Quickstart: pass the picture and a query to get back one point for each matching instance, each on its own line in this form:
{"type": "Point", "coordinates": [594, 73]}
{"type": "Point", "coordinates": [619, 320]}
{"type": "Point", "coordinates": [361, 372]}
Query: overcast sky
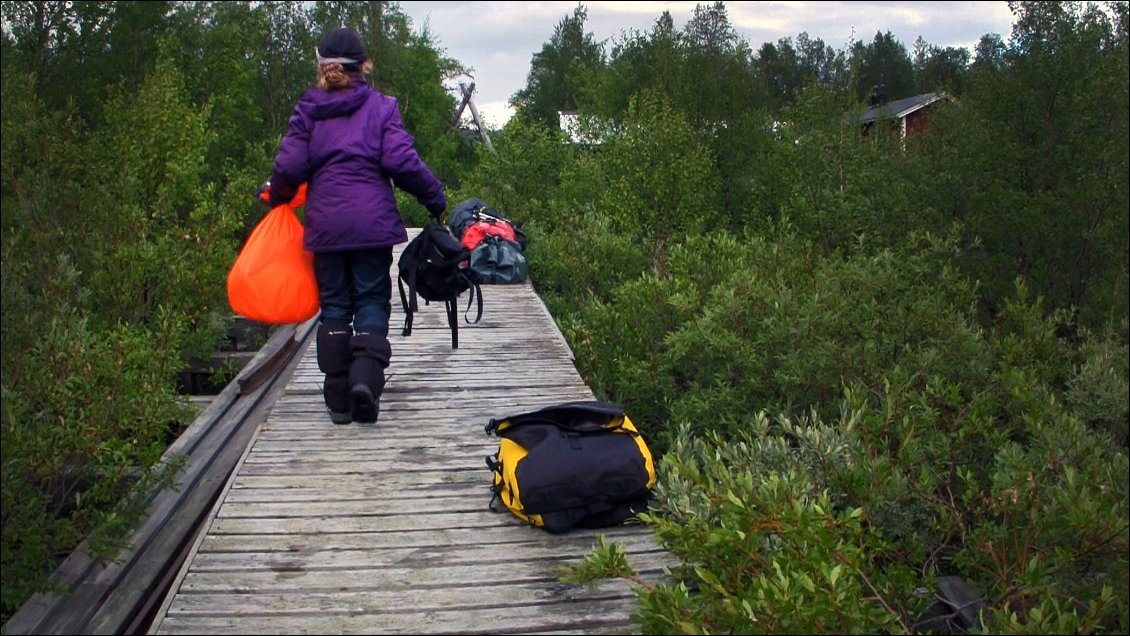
{"type": "Point", "coordinates": [498, 39]}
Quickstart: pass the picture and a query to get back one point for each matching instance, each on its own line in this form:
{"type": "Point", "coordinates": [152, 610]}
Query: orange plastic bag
{"type": "Point", "coordinates": [272, 280]}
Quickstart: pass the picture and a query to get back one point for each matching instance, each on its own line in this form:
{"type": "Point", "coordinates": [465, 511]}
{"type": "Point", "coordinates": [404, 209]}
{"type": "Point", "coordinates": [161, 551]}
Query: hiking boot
{"type": "Point", "coordinates": [365, 406]}
{"type": "Point", "coordinates": [371, 353]}
{"type": "Point", "coordinates": [334, 358]}
{"type": "Point", "coordinates": [336, 394]}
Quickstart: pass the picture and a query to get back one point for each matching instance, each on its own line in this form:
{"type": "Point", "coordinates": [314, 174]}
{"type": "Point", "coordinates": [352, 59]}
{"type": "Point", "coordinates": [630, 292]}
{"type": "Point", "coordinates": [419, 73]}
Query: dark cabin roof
{"type": "Point", "coordinates": [900, 108]}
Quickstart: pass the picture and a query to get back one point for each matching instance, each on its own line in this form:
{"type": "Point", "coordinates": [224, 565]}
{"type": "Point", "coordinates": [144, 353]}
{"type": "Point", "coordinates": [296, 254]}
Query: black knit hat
{"type": "Point", "coordinates": [342, 46]}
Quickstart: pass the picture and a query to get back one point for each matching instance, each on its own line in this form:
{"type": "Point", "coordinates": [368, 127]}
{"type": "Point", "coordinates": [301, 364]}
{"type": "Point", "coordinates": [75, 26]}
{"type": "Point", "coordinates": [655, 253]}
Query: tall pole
{"type": "Point", "coordinates": [470, 102]}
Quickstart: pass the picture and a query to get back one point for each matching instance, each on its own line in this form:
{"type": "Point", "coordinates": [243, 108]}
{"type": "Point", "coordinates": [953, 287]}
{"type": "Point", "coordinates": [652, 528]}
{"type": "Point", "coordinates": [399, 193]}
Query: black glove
{"type": "Point", "coordinates": [263, 194]}
{"type": "Point", "coordinates": [436, 213]}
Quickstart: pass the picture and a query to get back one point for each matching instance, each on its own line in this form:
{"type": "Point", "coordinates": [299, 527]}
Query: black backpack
{"type": "Point", "coordinates": [433, 266]}
{"type": "Point", "coordinates": [575, 464]}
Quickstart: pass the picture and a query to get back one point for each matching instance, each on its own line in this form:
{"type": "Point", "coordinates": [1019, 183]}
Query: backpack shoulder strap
{"type": "Point", "coordinates": [407, 300]}
{"type": "Point", "coordinates": [476, 295]}
{"type": "Point", "coordinates": [579, 417]}
{"type": "Point", "coordinates": [409, 259]}
{"type": "Point", "coordinates": [452, 322]}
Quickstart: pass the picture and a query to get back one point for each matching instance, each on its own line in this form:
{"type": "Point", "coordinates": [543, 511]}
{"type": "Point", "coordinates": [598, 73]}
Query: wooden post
{"type": "Point", "coordinates": [462, 105]}
{"type": "Point", "coordinates": [469, 101]}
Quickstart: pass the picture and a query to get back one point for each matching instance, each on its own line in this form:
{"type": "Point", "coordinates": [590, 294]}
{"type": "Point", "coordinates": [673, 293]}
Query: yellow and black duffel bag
{"type": "Point", "coordinates": [577, 464]}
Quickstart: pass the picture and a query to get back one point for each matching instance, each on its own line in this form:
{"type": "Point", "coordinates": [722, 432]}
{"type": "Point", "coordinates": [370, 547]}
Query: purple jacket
{"type": "Point", "coordinates": [350, 147]}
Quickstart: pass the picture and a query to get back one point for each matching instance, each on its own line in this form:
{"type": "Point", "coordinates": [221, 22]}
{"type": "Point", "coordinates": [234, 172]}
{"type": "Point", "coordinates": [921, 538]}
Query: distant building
{"type": "Point", "coordinates": [911, 115]}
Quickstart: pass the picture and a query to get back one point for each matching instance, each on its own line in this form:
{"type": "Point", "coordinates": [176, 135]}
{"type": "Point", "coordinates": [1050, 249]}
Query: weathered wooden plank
{"type": "Point", "coordinates": [429, 556]}
{"type": "Point", "coordinates": [441, 454]}
{"type": "Point", "coordinates": [434, 440]}
{"type": "Point", "coordinates": [424, 600]}
{"type": "Point", "coordinates": [419, 506]}
{"type": "Point", "coordinates": [390, 523]}
{"type": "Point", "coordinates": [312, 420]}
{"type": "Point", "coordinates": [362, 464]}
{"type": "Point", "coordinates": [400, 403]}
{"type": "Point", "coordinates": [452, 413]}
{"type": "Point", "coordinates": [454, 382]}
{"type": "Point", "coordinates": [476, 493]}
{"type": "Point", "coordinates": [467, 368]}
{"type": "Point", "coordinates": [354, 579]}
{"type": "Point", "coordinates": [368, 467]}
{"type": "Point", "coordinates": [447, 371]}
{"type": "Point", "coordinates": [443, 398]}
{"type": "Point", "coordinates": [426, 432]}
{"type": "Point", "coordinates": [216, 542]}
{"type": "Point", "coordinates": [286, 487]}
{"type": "Point", "coordinates": [407, 413]}
{"type": "Point", "coordinates": [451, 455]}
{"type": "Point", "coordinates": [570, 616]}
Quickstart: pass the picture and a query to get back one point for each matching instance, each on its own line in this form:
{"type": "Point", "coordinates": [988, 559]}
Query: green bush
{"type": "Point", "coordinates": [586, 262]}
{"type": "Point", "coordinates": [521, 178]}
{"type": "Point", "coordinates": [661, 183]}
{"type": "Point", "coordinates": [765, 551]}
{"type": "Point", "coordinates": [619, 336]}
{"type": "Point", "coordinates": [763, 517]}
{"type": "Point", "coordinates": [1097, 389]}
{"type": "Point", "coordinates": [789, 328]}
{"type": "Point", "coordinates": [951, 449]}
{"type": "Point", "coordinates": [114, 261]}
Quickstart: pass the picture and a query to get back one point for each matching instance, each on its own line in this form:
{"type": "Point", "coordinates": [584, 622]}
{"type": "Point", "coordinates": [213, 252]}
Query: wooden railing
{"type": "Point", "coordinates": [120, 597]}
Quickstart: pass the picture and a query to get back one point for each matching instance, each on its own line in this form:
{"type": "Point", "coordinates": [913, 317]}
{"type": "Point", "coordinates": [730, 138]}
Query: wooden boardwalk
{"type": "Point", "coordinates": [385, 528]}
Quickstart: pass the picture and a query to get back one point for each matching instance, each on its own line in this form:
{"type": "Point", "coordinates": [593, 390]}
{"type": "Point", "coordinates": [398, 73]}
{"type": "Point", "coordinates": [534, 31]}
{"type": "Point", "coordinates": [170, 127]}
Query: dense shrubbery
{"type": "Point", "coordinates": [899, 438]}
{"type": "Point", "coordinates": [951, 446]}
{"type": "Point", "coordinates": [857, 395]}
{"type": "Point", "coordinates": [114, 260]}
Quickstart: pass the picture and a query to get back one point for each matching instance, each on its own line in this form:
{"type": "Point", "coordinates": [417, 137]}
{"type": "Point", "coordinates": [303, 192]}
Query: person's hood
{"type": "Point", "coordinates": [320, 104]}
